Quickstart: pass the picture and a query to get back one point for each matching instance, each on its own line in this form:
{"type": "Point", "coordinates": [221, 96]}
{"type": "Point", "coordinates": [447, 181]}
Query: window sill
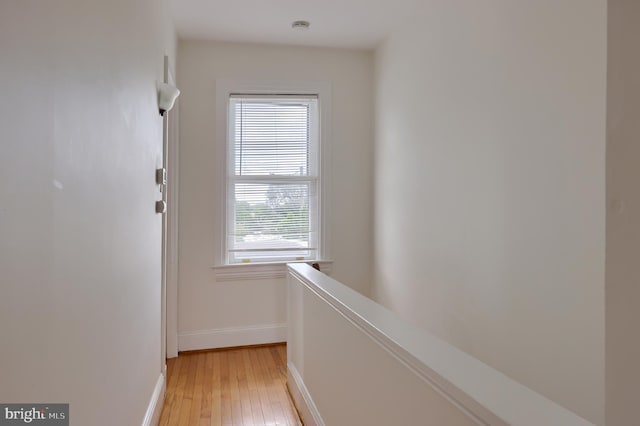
{"type": "Point", "coordinates": [262, 271]}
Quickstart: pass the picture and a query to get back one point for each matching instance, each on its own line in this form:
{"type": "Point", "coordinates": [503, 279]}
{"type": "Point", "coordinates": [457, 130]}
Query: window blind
{"type": "Point", "coordinates": [273, 179]}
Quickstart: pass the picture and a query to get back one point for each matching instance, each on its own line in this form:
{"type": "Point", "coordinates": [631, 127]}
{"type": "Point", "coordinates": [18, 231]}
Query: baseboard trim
{"type": "Point", "coordinates": [230, 337]}
{"type": "Point", "coordinates": [304, 403]}
{"type": "Point", "coordinates": [154, 409]}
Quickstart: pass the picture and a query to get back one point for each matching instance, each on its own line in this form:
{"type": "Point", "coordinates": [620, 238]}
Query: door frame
{"type": "Point", "coordinates": [170, 162]}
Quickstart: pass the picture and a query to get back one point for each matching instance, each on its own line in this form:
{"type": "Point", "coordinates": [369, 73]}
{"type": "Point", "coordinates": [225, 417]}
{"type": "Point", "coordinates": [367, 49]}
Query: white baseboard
{"type": "Point", "coordinates": [235, 336]}
{"type": "Point", "coordinates": [154, 409]}
{"type": "Point", "coordinates": [305, 405]}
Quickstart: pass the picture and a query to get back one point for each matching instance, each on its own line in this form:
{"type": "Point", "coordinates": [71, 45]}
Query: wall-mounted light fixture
{"type": "Point", "coordinates": [167, 95]}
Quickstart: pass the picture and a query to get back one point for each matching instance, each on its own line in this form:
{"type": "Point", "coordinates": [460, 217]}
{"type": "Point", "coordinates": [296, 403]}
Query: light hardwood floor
{"type": "Point", "coordinates": [240, 386]}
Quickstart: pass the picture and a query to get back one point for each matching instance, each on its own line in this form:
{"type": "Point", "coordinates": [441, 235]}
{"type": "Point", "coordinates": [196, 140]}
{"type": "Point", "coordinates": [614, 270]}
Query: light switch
{"type": "Point", "coordinates": [161, 176]}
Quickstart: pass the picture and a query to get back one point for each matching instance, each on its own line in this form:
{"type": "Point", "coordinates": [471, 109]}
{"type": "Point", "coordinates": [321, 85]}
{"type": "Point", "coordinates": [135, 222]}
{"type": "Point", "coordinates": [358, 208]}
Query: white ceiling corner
{"type": "Point", "coordinates": [334, 23]}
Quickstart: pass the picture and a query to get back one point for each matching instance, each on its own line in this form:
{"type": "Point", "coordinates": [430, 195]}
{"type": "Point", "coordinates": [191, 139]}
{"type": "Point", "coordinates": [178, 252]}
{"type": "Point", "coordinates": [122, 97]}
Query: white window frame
{"type": "Point", "coordinates": [224, 89]}
{"type": "Point", "coordinates": [312, 179]}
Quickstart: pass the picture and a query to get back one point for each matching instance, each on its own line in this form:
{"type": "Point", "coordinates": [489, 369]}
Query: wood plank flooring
{"type": "Point", "coordinates": [229, 387]}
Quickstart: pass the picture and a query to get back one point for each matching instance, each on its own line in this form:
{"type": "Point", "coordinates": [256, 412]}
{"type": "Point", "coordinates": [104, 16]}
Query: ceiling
{"type": "Point", "coordinates": [334, 23]}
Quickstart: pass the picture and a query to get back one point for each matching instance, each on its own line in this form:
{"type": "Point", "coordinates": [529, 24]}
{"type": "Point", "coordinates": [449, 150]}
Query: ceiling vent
{"type": "Point", "coordinates": [300, 25]}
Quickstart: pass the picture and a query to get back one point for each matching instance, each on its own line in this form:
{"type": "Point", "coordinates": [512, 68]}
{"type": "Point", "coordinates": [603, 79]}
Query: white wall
{"type": "Point", "coordinates": [79, 239]}
{"type": "Point", "coordinates": [332, 382]}
{"type": "Point", "coordinates": [428, 381]}
{"type": "Point", "coordinates": [210, 309]}
{"type": "Point", "coordinates": [489, 190]}
{"type": "Point", "coordinates": [623, 214]}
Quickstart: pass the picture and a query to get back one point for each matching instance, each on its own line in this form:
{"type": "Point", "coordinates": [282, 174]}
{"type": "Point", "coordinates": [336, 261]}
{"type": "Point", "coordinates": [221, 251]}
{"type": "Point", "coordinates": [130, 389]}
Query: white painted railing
{"type": "Point", "coordinates": [352, 362]}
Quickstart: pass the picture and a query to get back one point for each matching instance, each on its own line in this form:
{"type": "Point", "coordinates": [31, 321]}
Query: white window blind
{"type": "Point", "coordinates": [272, 195]}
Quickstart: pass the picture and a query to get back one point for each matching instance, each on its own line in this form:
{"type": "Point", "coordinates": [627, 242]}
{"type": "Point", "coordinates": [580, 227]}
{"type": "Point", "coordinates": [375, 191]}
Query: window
{"type": "Point", "coordinates": [273, 201]}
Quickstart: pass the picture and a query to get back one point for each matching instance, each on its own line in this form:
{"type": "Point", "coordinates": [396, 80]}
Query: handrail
{"type": "Point", "coordinates": [483, 393]}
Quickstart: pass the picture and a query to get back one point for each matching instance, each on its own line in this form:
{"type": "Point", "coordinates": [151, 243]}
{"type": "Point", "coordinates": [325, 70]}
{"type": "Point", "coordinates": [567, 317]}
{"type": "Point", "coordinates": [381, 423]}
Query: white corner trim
{"type": "Point", "coordinates": [233, 336]}
{"type": "Point", "coordinates": [260, 271]}
{"type": "Point", "coordinates": [154, 409]}
{"type": "Point", "coordinates": [302, 399]}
